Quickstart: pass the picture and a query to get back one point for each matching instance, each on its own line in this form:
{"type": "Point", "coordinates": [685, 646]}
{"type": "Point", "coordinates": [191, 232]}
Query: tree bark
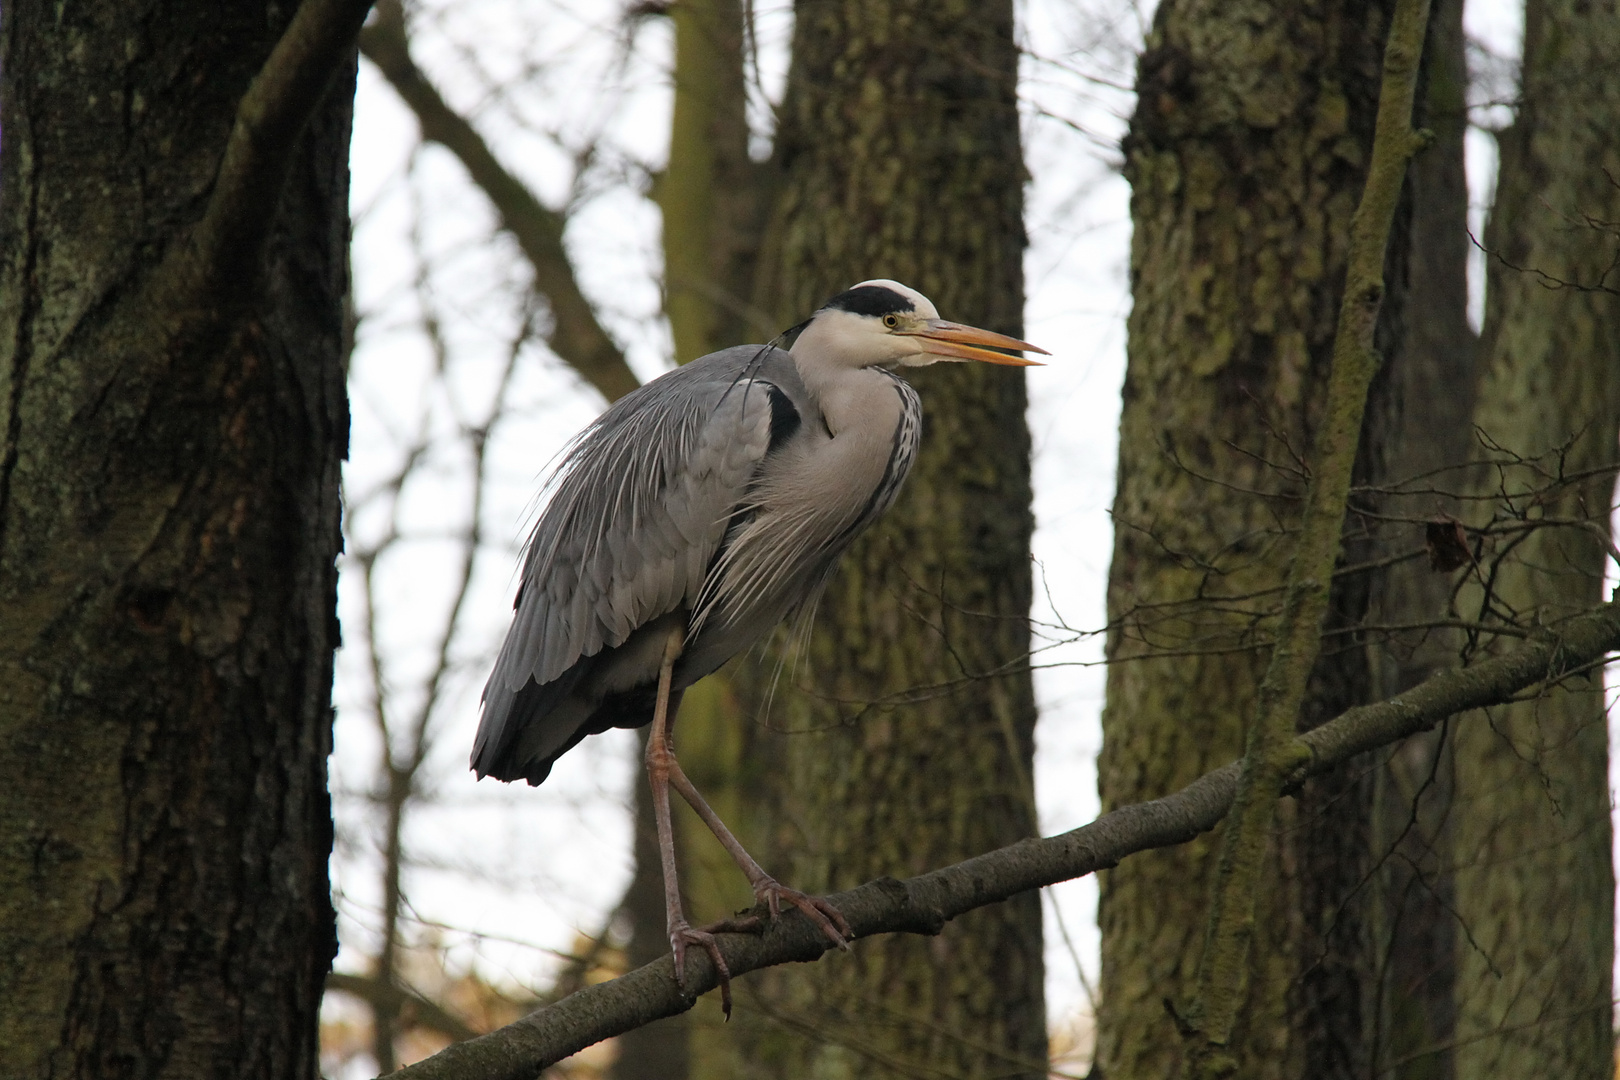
{"type": "Point", "coordinates": [1247, 156]}
{"type": "Point", "coordinates": [1535, 885]}
{"type": "Point", "coordinates": [575, 335]}
{"type": "Point", "coordinates": [905, 729]}
{"type": "Point", "coordinates": [173, 416]}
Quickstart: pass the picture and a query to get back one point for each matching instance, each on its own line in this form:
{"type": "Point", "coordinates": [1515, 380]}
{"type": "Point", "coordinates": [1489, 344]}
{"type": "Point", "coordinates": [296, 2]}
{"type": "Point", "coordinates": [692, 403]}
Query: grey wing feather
{"type": "Point", "coordinates": [639, 509]}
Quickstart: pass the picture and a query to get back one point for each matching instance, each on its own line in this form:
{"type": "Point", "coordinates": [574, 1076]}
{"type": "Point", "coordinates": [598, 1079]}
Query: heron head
{"type": "Point", "coordinates": [882, 322]}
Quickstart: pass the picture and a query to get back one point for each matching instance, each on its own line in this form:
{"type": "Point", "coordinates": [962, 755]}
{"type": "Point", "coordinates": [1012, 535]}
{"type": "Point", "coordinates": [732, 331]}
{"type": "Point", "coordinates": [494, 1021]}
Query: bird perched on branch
{"type": "Point", "coordinates": [689, 520]}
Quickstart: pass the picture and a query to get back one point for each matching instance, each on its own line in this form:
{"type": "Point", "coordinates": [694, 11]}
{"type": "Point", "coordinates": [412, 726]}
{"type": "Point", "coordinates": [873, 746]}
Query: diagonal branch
{"type": "Point", "coordinates": [214, 263]}
{"type": "Point", "coordinates": [923, 904]}
{"type": "Point", "coordinates": [576, 335]}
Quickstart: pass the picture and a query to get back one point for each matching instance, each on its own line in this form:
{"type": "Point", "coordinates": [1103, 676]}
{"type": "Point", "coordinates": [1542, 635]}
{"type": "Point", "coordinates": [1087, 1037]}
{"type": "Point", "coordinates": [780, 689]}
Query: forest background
{"type": "Point", "coordinates": [502, 892]}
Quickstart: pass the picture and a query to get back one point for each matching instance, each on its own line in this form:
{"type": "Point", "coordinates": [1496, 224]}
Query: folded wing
{"type": "Point", "coordinates": [640, 509]}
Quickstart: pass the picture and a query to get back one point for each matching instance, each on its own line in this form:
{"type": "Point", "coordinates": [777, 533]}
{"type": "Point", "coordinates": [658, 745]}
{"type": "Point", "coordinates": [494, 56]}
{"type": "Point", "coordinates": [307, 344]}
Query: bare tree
{"type": "Point", "coordinates": [409, 692]}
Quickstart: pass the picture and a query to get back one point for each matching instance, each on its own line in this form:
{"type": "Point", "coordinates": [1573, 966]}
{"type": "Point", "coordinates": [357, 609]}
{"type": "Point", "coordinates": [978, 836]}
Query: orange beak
{"type": "Point", "coordinates": [970, 343]}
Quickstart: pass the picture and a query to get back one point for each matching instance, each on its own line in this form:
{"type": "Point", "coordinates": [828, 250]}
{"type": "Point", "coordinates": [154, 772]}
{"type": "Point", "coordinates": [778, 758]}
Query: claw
{"type": "Point", "coordinates": [681, 935]}
{"type": "Point", "coordinates": [827, 918]}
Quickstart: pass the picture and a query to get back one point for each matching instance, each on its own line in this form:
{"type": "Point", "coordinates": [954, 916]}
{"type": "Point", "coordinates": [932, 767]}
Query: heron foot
{"type": "Point", "coordinates": [681, 934]}
{"type": "Point", "coordinates": [820, 911]}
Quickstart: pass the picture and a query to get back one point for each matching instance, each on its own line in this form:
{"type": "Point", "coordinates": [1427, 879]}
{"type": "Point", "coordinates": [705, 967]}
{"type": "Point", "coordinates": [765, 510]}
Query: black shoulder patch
{"type": "Point", "coordinates": [785, 418]}
{"type": "Point", "coordinates": [870, 300]}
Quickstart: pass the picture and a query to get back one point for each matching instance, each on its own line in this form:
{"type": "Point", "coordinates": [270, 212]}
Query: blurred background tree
{"type": "Point", "coordinates": [905, 734]}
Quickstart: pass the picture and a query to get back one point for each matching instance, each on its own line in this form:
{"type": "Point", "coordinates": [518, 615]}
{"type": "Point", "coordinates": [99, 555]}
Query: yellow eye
{"type": "Point", "coordinates": [891, 321]}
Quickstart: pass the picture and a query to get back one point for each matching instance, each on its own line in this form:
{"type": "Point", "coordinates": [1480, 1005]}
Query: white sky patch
{"type": "Point", "coordinates": [1495, 33]}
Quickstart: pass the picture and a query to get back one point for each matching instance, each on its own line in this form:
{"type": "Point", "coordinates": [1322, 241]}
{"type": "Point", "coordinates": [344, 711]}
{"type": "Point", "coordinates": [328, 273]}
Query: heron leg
{"type": "Point", "coordinates": [661, 768]}
{"type": "Point", "coordinates": [767, 889]}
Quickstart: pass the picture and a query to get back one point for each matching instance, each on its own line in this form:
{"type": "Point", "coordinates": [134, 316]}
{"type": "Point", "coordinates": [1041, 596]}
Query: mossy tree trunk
{"type": "Point", "coordinates": [905, 729]}
{"type": "Point", "coordinates": [1247, 157]}
{"type": "Point", "coordinates": [173, 415]}
{"type": "Point", "coordinates": [1535, 885]}
{"type": "Point", "coordinates": [1373, 932]}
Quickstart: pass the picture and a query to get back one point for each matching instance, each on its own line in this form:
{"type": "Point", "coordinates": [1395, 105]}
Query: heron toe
{"type": "Point", "coordinates": [819, 910]}
{"type": "Point", "coordinates": [682, 934]}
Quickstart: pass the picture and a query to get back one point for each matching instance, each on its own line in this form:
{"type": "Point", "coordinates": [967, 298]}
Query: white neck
{"type": "Point", "coordinates": [854, 399]}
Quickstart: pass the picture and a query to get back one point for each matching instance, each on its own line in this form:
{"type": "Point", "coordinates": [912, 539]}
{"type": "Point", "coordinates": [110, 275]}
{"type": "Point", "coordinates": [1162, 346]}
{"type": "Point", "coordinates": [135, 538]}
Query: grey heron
{"type": "Point", "coordinates": [693, 516]}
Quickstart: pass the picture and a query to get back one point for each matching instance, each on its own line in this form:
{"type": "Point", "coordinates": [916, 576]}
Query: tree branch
{"type": "Point", "coordinates": [215, 262]}
{"type": "Point", "coordinates": [576, 335]}
{"type": "Point", "coordinates": [923, 904]}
